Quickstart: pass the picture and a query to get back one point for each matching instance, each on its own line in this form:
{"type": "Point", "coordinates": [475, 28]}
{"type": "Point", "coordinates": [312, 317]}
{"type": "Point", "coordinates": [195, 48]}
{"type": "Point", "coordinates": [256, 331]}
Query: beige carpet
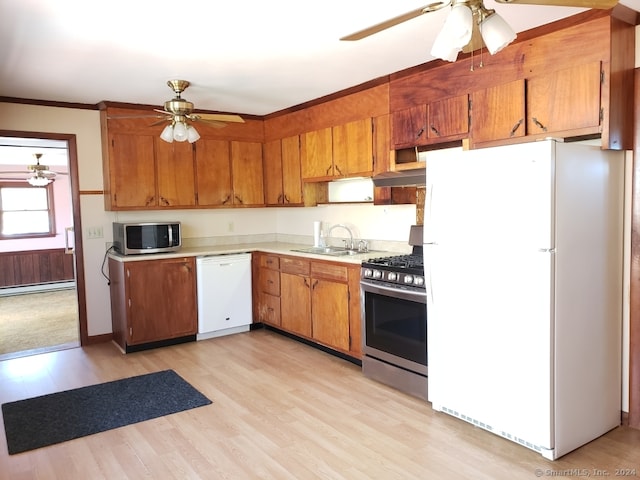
{"type": "Point", "coordinates": [38, 320]}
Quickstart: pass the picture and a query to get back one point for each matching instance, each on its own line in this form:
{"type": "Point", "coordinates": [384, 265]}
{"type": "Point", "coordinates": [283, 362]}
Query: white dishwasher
{"type": "Point", "coordinates": [224, 294]}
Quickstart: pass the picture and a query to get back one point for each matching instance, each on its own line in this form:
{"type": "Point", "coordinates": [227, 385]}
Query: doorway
{"type": "Point", "coordinates": [43, 272]}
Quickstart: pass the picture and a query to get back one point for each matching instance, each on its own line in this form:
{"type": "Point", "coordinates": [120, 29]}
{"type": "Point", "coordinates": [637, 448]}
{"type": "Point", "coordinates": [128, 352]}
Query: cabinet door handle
{"type": "Point", "coordinates": [538, 124]}
{"type": "Point", "coordinates": [326, 172]}
{"type": "Point", "coordinates": [419, 133]}
{"type": "Point", "coordinates": [338, 170]}
{"type": "Point", "coordinates": [226, 199]}
{"type": "Point", "coordinates": [515, 127]}
{"type": "Point", "coordinates": [238, 199]}
{"type": "Point", "coordinates": [313, 287]}
{"type": "Point", "coordinates": [435, 130]}
{"type": "Point", "coordinates": [164, 201]}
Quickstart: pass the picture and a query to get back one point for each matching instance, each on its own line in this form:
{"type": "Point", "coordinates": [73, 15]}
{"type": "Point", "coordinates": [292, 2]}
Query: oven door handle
{"type": "Point", "coordinates": [412, 295]}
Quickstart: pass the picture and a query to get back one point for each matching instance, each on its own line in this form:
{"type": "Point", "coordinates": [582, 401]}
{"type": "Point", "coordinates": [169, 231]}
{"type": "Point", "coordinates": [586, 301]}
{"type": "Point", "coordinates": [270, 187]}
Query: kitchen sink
{"type": "Point", "coordinates": [331, 251]}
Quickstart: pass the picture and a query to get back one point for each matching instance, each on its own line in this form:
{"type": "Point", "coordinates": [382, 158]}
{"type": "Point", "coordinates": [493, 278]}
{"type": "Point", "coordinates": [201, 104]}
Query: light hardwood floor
{"type": "Point", "coordinates": [281, 410]}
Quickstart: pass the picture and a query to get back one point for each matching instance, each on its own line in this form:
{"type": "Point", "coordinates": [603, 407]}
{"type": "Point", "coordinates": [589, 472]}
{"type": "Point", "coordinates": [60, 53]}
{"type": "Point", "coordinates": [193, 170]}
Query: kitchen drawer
{"type": "Point", "coordinates": [330, 271]}
{"type": "Point", "coordinates": [270, 281]}
{"type": "Point", "coordinates": [293, 265]}
{"type": "Point", "coordinates": [270, 312]}
{"type": "Point", "coordinates": [270, 261]}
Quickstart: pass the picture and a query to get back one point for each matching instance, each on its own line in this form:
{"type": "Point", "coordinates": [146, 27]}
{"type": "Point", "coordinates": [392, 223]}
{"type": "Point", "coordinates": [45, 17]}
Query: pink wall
{"type": "Point", "coordinates": [64, 218]}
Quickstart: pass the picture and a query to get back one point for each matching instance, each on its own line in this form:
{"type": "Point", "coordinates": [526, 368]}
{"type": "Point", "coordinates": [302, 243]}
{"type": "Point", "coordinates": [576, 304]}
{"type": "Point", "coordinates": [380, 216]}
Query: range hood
{"type": "Point", "coordinates": [403, 178]}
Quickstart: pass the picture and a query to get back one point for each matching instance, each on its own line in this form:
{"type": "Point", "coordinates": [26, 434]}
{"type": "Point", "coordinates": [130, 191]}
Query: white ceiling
{"type": "Point", "coordinates": [242, 56]}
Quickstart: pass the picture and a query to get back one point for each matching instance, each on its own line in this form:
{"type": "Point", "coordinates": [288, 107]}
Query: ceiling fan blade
{"type": "Point", "coordinates": [395, 21]}
{"type": "Point", "coordinates": [216, 117]}
{"type": "Point", "coordinates": [599, 4]}
{"type": "Point", "coordinates": [120, 117]}
{"type": "Point", "coordinates": [160, 122]}
{"type": "Point", "coordinates": [213, 123]}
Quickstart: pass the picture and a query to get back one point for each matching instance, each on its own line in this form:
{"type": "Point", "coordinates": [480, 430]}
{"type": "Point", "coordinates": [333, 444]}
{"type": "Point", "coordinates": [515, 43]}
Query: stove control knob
{"type": "Point", "coordinates": [419, 281]}
{"type": "Point", "coordinates": [392, 276]}
{"type": "Point", "coordinates": [367, 272]}
{"type": "Point", "coordinates": [408, 279]}
{"type": "Point", "coordinates": [377, 274]}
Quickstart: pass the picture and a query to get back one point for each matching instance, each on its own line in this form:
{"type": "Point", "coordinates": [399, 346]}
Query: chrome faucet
{"type": "Point", "coordinates": [348, 245]}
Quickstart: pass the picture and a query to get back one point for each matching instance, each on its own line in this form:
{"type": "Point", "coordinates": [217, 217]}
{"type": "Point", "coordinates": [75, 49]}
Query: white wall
{"type": "Point", "coordinates": [369, 222]}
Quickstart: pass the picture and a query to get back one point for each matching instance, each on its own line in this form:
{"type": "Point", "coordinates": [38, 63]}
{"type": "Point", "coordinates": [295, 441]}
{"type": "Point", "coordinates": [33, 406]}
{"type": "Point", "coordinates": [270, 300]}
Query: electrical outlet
{"type": "Point", "coordinates": [94, 232]}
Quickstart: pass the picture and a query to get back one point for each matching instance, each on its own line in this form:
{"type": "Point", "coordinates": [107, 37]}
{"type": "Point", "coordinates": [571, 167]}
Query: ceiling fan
{"type": "Point", "coordinates": [470, 25]}
{"type": "Point", "coordinates": [179, 113]}
{"type": "Point", "coordinates": [37, 175]}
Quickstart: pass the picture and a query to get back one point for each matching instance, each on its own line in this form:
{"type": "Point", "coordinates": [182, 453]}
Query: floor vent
{"type": "Point", "coordinates": [489, 428]}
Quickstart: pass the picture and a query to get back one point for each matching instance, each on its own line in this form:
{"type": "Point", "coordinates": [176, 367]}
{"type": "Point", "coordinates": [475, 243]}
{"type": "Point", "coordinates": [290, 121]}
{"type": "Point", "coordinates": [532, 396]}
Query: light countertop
{"type": "Point", "coordinates": [279, 248]}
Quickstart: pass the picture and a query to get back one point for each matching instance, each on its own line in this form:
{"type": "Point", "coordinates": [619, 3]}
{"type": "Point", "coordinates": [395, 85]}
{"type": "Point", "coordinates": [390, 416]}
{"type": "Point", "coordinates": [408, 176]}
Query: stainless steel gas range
{"type": "Point", "coordinates": [394, 319]}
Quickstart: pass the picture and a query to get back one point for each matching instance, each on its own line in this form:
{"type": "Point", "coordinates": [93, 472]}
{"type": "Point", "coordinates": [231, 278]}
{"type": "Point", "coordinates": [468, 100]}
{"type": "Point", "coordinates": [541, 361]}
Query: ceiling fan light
{"type": "Point", "coordinates": [192, 134]}
{"type": "Point", "coordinates": [38, 181]}
{"type": "Point", "coordinates": [443, 47]}
{"type": "Point", "coordinates": [167, 134]}
{"type": "Point", "coordinates": [496, 33]}
{"type": "Point", "coordinates": [180, 132]}
{"type": "Point", "coordinates": [459, 25]}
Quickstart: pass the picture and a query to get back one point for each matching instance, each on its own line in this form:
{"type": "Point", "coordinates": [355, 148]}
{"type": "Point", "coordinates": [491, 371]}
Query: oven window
{"type": "Point", "coordinates": [396, 326]}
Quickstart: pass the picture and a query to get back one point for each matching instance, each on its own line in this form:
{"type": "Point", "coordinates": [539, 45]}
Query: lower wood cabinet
{"type": "Point", "coordinates": [153, 300]}
{"type": "Point", "coordinates": [266, 288]}
{"type": "Point", "coordinates": [295, 304]}
{"type": "Point", "coordinates": [314, 299]}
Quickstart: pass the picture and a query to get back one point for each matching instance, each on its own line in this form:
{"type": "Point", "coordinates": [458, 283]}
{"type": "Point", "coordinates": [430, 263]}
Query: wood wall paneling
{"type": "Point", "coordinates": [634, 294]}
{"type": "Point", "coordinates": [371, 102]}
{"type": "Point", "coordinates": [35, 267]}
{"type": "Point", "coordinates": [559, 49]}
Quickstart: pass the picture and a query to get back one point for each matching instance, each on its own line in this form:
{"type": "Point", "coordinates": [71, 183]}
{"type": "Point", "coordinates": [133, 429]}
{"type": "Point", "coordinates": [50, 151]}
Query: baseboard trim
{"type": "Point", "coordinates": [94, 339]}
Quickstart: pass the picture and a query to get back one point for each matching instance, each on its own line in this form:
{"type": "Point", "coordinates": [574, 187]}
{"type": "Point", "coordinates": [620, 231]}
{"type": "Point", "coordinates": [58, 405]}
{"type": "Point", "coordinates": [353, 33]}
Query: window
{"type": "Point", "coordinates": [26, 211]}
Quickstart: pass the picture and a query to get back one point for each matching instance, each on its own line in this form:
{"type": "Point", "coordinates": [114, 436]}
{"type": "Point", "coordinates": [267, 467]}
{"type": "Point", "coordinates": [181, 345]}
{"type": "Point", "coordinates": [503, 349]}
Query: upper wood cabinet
{"type": "Point", "coordinates": [409, 126]}
{"type": "Point", "coordinates": [146, 172]}
{"type": "Point", "coordinates": [498, 112]}
{"type": "Point", "coordinates": [229, 173]}
{"type": "Point", "coordinates": [565, 100]}
{"type": "Point", "coordinates": [338, 152]}
{"type": "Point", "coordinates": [247, 173]}
{"type": "Point", "coordinates": [213, 168]}
{"type": "Point", "coordinates": [564, 103]}
{"type": "Point", "coordinates": [282, 172]}
{"type": "Point", "coordinates": [142, 172]}
{"type": "Point", "coordinates": [448, 119]}
{"type": "Point", "coordinates": [316, 152]}
{"type": "Point", "coordinates": [436, 122]}
{"type": "Point", "coordinates": [131, 174]}
{"type": "Point", "coordinates": [175, 174]}
{"type": "Point", "coordinates": [353, 149]}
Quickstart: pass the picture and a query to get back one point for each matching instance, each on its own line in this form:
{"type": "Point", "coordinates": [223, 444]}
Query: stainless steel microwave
{"type": "Point", "coordinates": [146, 237]}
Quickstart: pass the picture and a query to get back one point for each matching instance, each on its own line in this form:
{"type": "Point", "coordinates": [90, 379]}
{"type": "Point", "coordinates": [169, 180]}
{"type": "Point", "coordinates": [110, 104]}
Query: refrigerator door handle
{"type": "Point", "coordinates": [547, 250]}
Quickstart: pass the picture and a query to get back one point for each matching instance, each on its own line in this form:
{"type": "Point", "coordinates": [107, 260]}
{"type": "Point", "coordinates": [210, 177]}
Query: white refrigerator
{"type": "Point", "coordinates": [523, 263]}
